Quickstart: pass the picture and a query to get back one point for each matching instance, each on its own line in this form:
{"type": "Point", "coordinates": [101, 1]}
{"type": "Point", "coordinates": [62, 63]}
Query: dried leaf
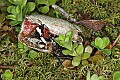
{"type": "Point", "coordinates": [92, 24]}
{"type": "Point", "coordinates": [96, 58]}
{"type": "Point", "coordinates": [67, 64]}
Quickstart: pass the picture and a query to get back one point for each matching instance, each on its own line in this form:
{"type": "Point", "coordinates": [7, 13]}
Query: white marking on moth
{"type": "Point", "coordinates": [39, 31]}
{"type": "Point", "coordinates": [43, 39]}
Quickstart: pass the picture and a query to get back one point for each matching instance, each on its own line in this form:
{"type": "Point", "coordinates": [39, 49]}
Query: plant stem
{"type": "Point", "coordinates": [114, 43]}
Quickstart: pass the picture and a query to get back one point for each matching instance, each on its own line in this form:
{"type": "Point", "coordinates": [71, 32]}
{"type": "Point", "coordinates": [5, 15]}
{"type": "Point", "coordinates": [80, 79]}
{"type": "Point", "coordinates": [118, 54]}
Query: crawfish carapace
{"type": "Point", "coordinates": [38, 32]}
{"type": "Point", "coordinates": [36, 36]}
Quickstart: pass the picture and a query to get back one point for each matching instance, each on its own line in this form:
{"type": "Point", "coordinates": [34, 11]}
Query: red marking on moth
{"type": "Point", "coordinates": [46, 33]}
{"type": "Point", "coordinates": [28, 27]}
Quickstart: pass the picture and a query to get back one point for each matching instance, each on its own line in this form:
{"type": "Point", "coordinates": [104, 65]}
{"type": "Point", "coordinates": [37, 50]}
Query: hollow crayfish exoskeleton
{"type": "Point", "coordinates": [38, 32]}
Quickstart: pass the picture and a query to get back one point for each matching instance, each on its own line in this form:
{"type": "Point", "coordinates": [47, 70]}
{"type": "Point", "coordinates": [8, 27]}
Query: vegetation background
{"type": "Point", "coordinates": [18, 62]}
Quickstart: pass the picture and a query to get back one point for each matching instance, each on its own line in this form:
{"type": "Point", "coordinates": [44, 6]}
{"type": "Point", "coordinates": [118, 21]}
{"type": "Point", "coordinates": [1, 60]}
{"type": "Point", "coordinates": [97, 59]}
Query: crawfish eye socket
{"type": "Point", "coordinates": [28, 27]}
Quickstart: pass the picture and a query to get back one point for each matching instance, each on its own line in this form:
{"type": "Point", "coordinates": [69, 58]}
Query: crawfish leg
{"type": "Point", "coordinates": [63, 12]}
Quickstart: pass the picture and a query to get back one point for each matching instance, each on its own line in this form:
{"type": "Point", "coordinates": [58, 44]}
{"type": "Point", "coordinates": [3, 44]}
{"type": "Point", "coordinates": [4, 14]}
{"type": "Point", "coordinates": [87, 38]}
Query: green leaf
{"type": "Point", "coordinates": [9, 9]}
{"type": "Point", "coordinates": [73, 53]}
{"type": "Point", "coordinates": [75, 63]}
{"type": "Point", "coordinates": [67, 39]}
{"type": "Point", "coordinates": [80, 49]}
{"type": "Point", "coordinates": [24, 2]}
{"type": "Point", "coordinates": [45, 9]}
{"type": "Point", "coordinates": [17, 29]}
{"type": "Point", "coordinates": [12, 17]}
{"type": "Point", "coordinates": [12, 1]}
{"type": "Point", "coordinates": [70, 34]}
{"type": "Point", "coordinates": [12, 9]}
{"type": "Point", "coordinates": [106, 51]}
{"type": "Point", "coordinates": [94, 77]}
{"type": "Point", "coordinates": [41, 1]}
{"type": "Point", "coordinates": [61, 37]}
{"type": "Point", "coordinates": [59, 41]}
{"type": "Point", "coordinates": [18, 9]}
{"type": "Point", "coordinates": [93, 43]}
{"type": "Point", "coordinates": [101, 78]}
{"type": "Point", "coordinates": [86, 55]}
{"type": "Point", "coordinates": [31, 6]}
{"type": "Point", "coordinates": [33, 54]}
{"type": "Point", "coordinates": [8, 74]}
{"type": "Point", "coordinates": [84, 62]}
{"type": "Point", "coordinates": [22, 47]}
{"type": "Point", "coordinates": [66, 52]}
{"type": "Point", "coordinates": [99, 42]}
{"type": "Point", "coordinates": [19, 17]}
{"type": "Point", "coordinates": [13, 23]}
{"type": "Point", "coordinates": [88, 75]}
{"type": "Point", "coordinates": [15, 2]}
{"type": "Point", "coordinates": [51, 2]}
{"type": "Point", "coordinates": [116, 75]}
{"type": "Point", "coordinates": [75, 45]}
{"type": "Point", "coordinates": [106, 41]}
{"type": "Point", "coordinates": [25, 11]}
{"type": "Point", "coordinates": [76, 60]}
{"type": "Point", "coordinates": [68, 45]}
{"type": "Point", "coordinates": [88, 49]}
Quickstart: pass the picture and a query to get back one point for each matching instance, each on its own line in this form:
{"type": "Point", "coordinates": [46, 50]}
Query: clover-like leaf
{"type": "Point", "coordinates": [41, 1]}
{"type": "Point", "coordinates": [12, 17]}
{"type": "Point", "coordinates": [18, 9]}
{"type": "Point", "coordinates": [70, 34]}
{"type": "Point", "coordinates": [9, 8]}
{"type": "Point", "coordinates": [8, 74]}
{"type": "Point", "coordinates": [101, 78]}
{"type": "Point", "coordinates": [106, 41]}
{"type": "Point", "coordinates": [12, 1]}
{"type": "Point", "coordinates": [93, 43]}
{"type": "Point", "coordinates": [67, 39]}
{"type": "Point", "coordinates": [22, 47]}
{"type": "Point", "coordinates": [19, 17]}
{"type": "Point", "coordinates": [61, 37]}
{"type": "Point", "coordinates": [23, 2]}
{"type": "Point", "coordinates": [51, 2]}
{"type": "Point", "coordinates": [33, 54]}
{"type": "Point", "coordinates": [106, 51]}
{"type": "Point", "coordinates": [68, 45]}
{"type": "Point", "coordinates": [18, 2]}
{"type": "Point", "coordinates": [13, 23]}
{"type": "Point", "coordinates": [88, 49]}
{"type": "Point", "coordinates": [76, 60]}
{"type": "Point", "coordinates": [116, 75]}
{"type": "Point", "coordinates": [85, 62]}
{"type": "Point", "coordinates": [66, 52]}
{"type": "Point", "coordinates": [94, 77]}
{"type": "Point", "coordinates": [80, 49]}
{"type": "Point", "coordinates": [75, 45]}
{"type": "Point", "coordinates": [12, 9]}
{"type": "Point", "coordinates": [99, 42]}
{"type": "Point", "coordinates": [31, 6]}
{"type": "Point", "coordinates": [86, 55]}
{"type": "Point", "coordinates": [45, 9]}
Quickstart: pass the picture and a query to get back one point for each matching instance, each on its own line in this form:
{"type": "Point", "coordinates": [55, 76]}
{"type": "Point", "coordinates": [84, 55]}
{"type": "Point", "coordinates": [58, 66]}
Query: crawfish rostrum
{"type": "Point", "coordinates": [38, 32]}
